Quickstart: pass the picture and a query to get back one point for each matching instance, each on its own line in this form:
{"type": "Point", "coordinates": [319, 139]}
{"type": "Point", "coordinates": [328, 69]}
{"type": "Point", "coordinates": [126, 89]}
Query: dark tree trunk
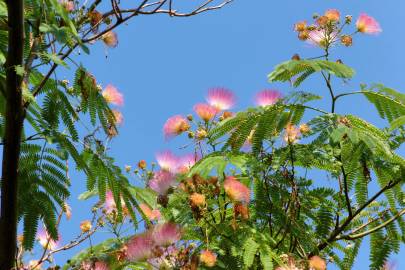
{"type": "Point", "coordinates": [12, 137]}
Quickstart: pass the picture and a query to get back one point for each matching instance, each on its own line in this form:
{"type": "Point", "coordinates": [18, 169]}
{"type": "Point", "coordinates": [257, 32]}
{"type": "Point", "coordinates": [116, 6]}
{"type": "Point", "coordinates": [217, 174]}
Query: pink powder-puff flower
{"type": "Point", "coordinates": [167, 161]}
{"type": "Point", "coordinates": [208, 258]}
{"type": "Point", "coordinates": [112, 95]}
{"type": "Point", "coordinates": [162, 181]}
{"type": "Point", "coordinates": [186, 162]}
{"type": "Point", "coordinates": [100, 265]}
{"type": "Point", "coordinates": [321, 39]}
{"type": "Point", "coordinates": [166, 234]}
{"type": "Point", "coordinates": [149, 213]}
{"type": "Point", "coordinates": [205, 111]}
{"type": "Point", "coordinates": [140, 247]}
{"type": "Point", "coordinates": [175, 125]}
{"type": "Point", "coordinates": [367, 24]}
{"type": "Point", "coordinates": [110, 205]}
{"type": "Point", "coordinates": [68, 5]}
{"type": "Point", "coordinates": [333, 15]}
{"type": "Point", "coordinates": [110, 39]}
{"type": "Point", "coordinates": [167, 260]}
{"type": "Point", "coordinates": [267, 97]}
{"type": "Point", "coordinates": [236, 190]}
{"type": "Point", "coordinates": [291, 134]}
{"type": "Point", "coordinates": [118, 118]}
{"type": "Point", "coordinates": [221, 98]}
{"type": "Point", "coordinates": [45, 240]}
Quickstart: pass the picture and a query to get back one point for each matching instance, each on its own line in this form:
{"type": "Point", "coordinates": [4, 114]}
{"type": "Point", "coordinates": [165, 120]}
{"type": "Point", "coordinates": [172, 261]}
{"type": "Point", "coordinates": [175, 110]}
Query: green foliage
{"type": "Point", "coordinates": [296, 71]}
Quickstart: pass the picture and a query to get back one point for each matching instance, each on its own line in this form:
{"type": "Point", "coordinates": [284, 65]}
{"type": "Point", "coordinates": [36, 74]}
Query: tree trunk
{"type": "Point", "coordinates": [14, 124]}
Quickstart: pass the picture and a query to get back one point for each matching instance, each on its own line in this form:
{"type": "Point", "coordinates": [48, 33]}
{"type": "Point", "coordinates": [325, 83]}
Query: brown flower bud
{"type": "Point", "coordinates": [346, 40]}
{"type": "Point", "coordinates": [300, 26]}
{"type": "Point", "coordinates": [296, 57]}
{"type": "Point", "coordinates": [303, 35]}
{"type": "Point", "coordinates": [142, 164]}
{"type": "Point", "coordinates": [322, 21]}
{"type": "Point", "coordinates": [348, 19]}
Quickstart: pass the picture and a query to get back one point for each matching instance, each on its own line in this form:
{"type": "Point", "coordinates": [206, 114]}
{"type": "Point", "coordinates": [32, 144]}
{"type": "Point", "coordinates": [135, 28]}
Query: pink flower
{"type": "Point", "coordinates": [367, 24]}
{"type": "Point", "coordinates": [149, 213]}
{"type": "Point", "coordinates": [167, 260]}
{"type": "Point", "coordinates": [100, 265]}
{"type": "Point", "coordinates": [166, 234]}
{"type": "Point", "coordinates": [112, 95]}
{"type": "Point", "coordinates": [267, 97]}
{"type": "Point", "coordinates": [140, 247]}
{"type": "Point", "coordinates": [221, 98]}
{"type": "Point", "coordinates": [109, 204]}
{"type": "Point", "coordinates": [333, 14]}
{"type": "Point", "coordinates": [175, 125]}
{"type": "Point", "coordinates": [118, 118]}
{"type": "Point", "coordinates": [205, 111]}
{"type": "Point", "coordinates": [68, 5]}
{"type": "Point", "coordinates": [236, 190]}
{"type": "Point", "coordinates": [291, 134]}
{"type": "Point", "coordinates": [186, 162]}
{"type": "Point", "coordinates": [45, 240]}
{"type": "Point", "coordinates": [167, 161]}
{"type": "Point", "coordinates": [320, 38]}
{"type": "Point", "coordinates": [162, 182]}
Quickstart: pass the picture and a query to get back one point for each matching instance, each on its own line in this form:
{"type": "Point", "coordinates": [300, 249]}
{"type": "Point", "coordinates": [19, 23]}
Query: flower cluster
{"type": "Point", "coordinates": [216, 109]}
{"type": "Point", "coordinates": [152, 244]}
{"type": "Point", "coordinates": [327, 29]}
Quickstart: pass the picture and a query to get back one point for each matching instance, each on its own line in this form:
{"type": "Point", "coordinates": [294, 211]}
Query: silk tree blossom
{"type": "Point", "coordinates": [208, 258]}
{"type": "Point", "coordinates": [367, 24]}
{"type": "Point", "coordinates": [267, 97]}
{"type": "Point", "coordinates": [45, 240]}
{"type": "Point", "coordinates": [152, 215]}
{"type": "Point", "coordinates": [175, 125]}
{"type": "Point", "coordinates": [110, 205]}
{"type": "Point", "coordinates": [186, 162]}
{"type": "Point", "coordinates": [140, 247]}
{"type": "Point", "coordinates": [205, 111]}
{"type": "Point", "coordinates": [167, 260]}
{"type": "Point", "coordinates": [100, 265]}
{"type": "Point", "coordinates": [291, 134]}
{"type": "Point", "coordinates": [320, 38]}
{"type": "Point", "coordinates": [68, 5]}
{"type": "Point", "coordinates": [112, 95]}
{"type": "Point", "coordinates": [235, 190]}
{"type": "Point", "coordinates": [166, 234]}
{"type": "Point", "coordinates": [118, 117]}
{"type": "Point", "coordinates": [162, 181]}
{"type": "Point", "coordinates": [221, 98]}
{"type": "Point", "coordinates": [167, 161]}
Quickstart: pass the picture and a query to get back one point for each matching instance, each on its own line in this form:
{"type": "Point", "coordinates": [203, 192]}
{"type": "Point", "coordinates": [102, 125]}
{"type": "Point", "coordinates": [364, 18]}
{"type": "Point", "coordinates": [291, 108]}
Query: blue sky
{"type": "Point", "coordinates": [165, 65]}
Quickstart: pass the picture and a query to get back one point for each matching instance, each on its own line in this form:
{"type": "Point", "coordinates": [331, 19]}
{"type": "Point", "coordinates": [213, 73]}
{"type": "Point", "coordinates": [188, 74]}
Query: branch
{"type": "Point", "coordinates": [346, 192]}
{"type": "Point", "coordinates": [365, 233]}
{"type": "Point", "coordinates": [334, 235]}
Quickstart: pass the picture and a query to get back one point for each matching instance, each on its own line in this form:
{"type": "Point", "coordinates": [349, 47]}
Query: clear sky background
{"type": "Point", "coordinates": [165, 65]}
